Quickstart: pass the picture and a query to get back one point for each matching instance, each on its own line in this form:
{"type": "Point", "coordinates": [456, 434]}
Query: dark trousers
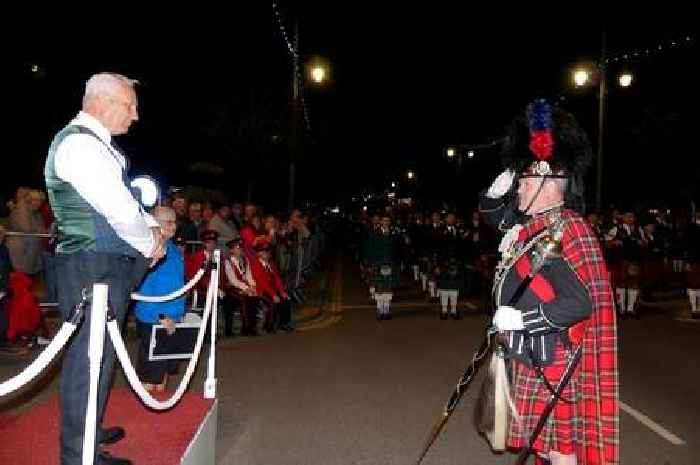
{"type": "Point", "coordinates": [248, 308]}
{"type": "Point", "coordinates": [151, 371]}
{"type": "Point", "coordinates": [277, 314]}
{"type": "Point", "coordinates": [74, 273]}
{"type": "Point", "coordinates": [48, 263]}
{"type": "Point", "coordinates": [3, 322]}
{"type": "Point", "coordinates": [284, 309]}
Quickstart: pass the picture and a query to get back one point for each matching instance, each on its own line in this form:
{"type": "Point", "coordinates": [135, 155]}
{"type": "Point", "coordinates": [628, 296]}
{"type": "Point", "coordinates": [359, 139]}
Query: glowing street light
{"type": "Point", "coordinates": [625, 79]}
{"type": "Point", "coordinates": [318, 74]}
{"type": "Point", "coordinates": [470, 154]}
{"type": "Point", "coordinates": [451, 152]}
{"type": "Point", "coordinates": [581, 77]}
{"type": "Point", "coordinates": [410, 174]}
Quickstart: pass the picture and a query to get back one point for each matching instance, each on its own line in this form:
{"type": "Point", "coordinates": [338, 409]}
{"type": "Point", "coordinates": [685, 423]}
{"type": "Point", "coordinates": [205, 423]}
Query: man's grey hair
{"type": "Point", "coordinates": [106, 84]}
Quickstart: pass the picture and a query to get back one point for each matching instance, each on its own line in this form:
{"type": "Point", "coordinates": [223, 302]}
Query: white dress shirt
{"type": "Point", "coordinates": [95, 171]}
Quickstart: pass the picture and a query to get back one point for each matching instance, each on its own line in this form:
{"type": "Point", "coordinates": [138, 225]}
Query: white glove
{"type": "Point", "coordinates": [508, 319]}
{"type": "Point", "coordinates": [501, 184]}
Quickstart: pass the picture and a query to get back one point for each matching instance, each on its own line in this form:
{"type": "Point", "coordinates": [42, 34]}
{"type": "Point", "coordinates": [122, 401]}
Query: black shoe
{"type": "Point", "coordinates": [105, 458]}
{"type": "Point", "coordinates": [695, 315]}
{"type": "Point", "coordinates": [456, 315]}
{"type": "Point", "coordinates": [111, 435]}
{"type": "Point", "coordinates": [286, 328]}
{"type": "Point", "coordinates": [443, 315]}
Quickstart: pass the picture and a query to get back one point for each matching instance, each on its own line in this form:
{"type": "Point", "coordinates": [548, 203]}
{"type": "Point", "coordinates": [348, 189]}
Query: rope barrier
{"type": "Point", "coordinates": [41, 362]}
{"type": "Point", "coordinates": [130, 372]}
{"type": "Point", "coordinates": [173, 295]}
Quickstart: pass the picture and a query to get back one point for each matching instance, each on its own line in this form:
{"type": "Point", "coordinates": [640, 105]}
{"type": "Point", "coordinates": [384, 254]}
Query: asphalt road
{"type": "Point", "coordinates": [359, 391]}
{"type": "Point", "coordinates": [347, 389]}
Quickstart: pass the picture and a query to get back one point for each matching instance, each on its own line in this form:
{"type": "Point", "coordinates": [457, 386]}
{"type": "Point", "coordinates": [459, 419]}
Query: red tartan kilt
{"type": "Point", "coordinates": [693, 275]}
{"type": "Point", "coordinates": [531, 395]}
{"type": "Point", "coordinates": [627, 274]}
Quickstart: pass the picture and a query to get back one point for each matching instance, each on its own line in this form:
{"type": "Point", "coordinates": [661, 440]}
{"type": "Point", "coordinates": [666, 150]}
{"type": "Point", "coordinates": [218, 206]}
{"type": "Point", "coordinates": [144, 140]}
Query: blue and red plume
{"type": "Point", "coordinates": [539, 117]}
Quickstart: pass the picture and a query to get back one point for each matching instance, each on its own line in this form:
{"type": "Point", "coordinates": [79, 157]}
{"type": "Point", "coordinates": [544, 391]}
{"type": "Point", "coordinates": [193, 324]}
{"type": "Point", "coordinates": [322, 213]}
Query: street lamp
{"type": "Point", "coordinates": [318, 74]}
{"type": "Point", "coordinates": [581, 77]}
{"type": "Point", "coordinates": [317, 71]}
{"type": "Point", "coordinates": [451, 152]}
{"type": "Point", "coordinates": [625, 79]}
{"type": "Point", "coordinates": [470, 154]}
{"type": "Point", "coordinates": [410, 174]}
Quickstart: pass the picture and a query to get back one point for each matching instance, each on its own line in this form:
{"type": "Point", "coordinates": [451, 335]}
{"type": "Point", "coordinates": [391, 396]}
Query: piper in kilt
{"type": "Point", "coordinates": [385, 275]}
{"type": "Point", "coordinates": [692, 267]}
{"type": "Point", "coordinates": [567, 303]}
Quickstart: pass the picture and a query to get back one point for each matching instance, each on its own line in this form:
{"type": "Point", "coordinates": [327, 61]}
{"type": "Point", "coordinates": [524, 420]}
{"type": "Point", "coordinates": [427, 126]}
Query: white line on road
{"type": "Point", "coordinates": [688, 320]}
{"type": "Point", "coordinates": [419, 304]}
{"type": "Point", "coordinates": [652, 425]}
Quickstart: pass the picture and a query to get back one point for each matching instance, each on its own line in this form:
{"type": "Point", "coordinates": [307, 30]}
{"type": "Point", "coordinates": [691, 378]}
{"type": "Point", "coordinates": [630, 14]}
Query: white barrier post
{"type": "Point", "coordinates": [98, 315]}
{"type": "Point", "coordinates": [210, 382]}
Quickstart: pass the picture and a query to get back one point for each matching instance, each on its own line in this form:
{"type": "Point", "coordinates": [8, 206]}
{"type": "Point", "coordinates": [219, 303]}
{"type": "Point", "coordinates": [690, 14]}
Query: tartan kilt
{"type": "Point", "coordinates": [654, 271]}
{"type": "Point", "coordinates": [385, 283]}
{"type": "Point", "coordinates": [531, 395]}
{"type": "Point", "coordinates": [627, 274]}
{"type": "Point", "coordinates": [692, 275]}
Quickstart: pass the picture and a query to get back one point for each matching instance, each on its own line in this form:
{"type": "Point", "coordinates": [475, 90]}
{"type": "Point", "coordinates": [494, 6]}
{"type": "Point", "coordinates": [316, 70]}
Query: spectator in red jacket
{"type": "Point", "coordinates": [194, 261]}
{"type": "Point", "coordinates": [270, 288]}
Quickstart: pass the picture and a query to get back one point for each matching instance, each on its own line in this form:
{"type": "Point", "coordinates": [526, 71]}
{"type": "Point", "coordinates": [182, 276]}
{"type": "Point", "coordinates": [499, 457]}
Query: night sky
{"type": "Point", "coordinates": [405, 83]}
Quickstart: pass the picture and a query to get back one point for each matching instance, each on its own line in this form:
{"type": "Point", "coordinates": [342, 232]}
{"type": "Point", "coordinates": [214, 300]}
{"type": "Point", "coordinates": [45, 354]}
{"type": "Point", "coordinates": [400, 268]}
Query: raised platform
{"type": "Point", "coordinates": [184, 435]}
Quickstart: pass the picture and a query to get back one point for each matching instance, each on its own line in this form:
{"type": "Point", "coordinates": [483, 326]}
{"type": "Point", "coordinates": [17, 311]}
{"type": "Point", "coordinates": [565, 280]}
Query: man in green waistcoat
{"type": "Point", "coordinates": [103, 236]}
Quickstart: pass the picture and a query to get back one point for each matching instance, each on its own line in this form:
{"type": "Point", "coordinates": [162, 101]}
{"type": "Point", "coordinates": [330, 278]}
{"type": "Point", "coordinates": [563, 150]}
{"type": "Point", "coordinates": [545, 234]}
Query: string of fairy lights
{"type": "Point", "coordinates": [455, 151]}
{"type": "Point", "coordinates": [663, 47]}
{"type": "Point", "coordinates": [294, 53]}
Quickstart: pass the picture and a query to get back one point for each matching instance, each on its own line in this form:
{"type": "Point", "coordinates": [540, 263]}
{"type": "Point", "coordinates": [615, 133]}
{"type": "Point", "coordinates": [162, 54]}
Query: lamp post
{"type": "Point", "coordinates": [318, 73]}
{"type": "Point", "coordinates": [601, 125]}
{"type": "Point", "coordinates": [583, 77]}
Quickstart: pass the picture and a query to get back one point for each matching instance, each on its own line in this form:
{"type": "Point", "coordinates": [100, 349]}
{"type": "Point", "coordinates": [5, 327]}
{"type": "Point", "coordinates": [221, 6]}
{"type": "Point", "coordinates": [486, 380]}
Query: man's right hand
{"type": "Point", "coordinates": [158, 250]}
{"type": "Point", "coordinates": [501, 184]}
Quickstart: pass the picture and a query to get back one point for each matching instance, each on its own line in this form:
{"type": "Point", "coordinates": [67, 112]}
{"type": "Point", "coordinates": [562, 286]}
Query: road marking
{"type": "Point", "coordinates": [652, 425]}
{"type": "Point", "coordinates": [688, 320]}
{"type": "Point", "coordinates": [419, 304]}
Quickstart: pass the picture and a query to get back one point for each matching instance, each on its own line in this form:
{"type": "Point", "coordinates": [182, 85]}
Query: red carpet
{"type": "Point", "coordinates": [152, 438]}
